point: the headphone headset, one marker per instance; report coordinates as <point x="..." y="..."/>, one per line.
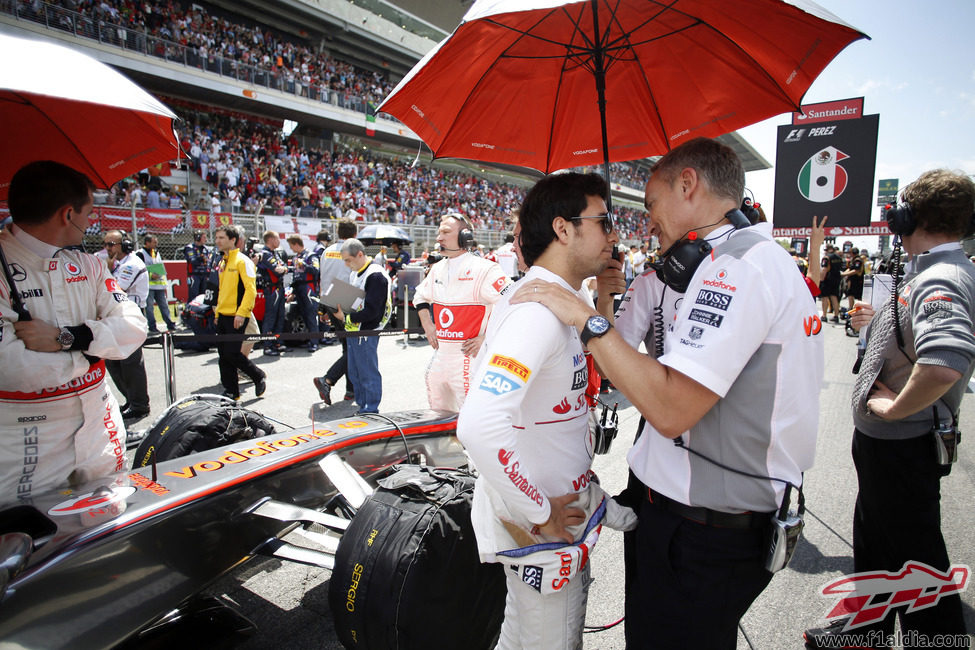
<point x="684" y="256"/>
<point x="465" y="236"/>
<point x="901" y="220"/>
<point x="126" y="245"/>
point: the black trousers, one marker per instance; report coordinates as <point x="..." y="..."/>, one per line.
<point x="688" y="584"/>
<point x="129" y="375"/>
<point x="897" y="519"/>
<point x="231" y="359"/>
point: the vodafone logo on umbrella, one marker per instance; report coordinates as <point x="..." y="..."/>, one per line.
<point x="822" y="178"/>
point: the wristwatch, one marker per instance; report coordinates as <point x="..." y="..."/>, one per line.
<point x="65" y="338"/>
<point x="595" y="327"/>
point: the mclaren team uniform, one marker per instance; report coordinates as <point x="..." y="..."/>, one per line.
<point x="745" y="324"/>
<point x="59" y="422"/>
<point x="460" y="292"/>
<point x="525" y="424"/>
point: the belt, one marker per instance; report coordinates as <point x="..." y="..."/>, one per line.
<point x="708" y="517"/>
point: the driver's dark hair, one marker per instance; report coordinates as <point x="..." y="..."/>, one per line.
<point x="556" y="195"/>
<point x="41" y="188"/>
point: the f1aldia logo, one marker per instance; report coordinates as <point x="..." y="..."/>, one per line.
<point x="822" y="179"/>
<point x="867" y="597"/>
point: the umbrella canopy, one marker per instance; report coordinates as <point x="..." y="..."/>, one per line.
<point x="384" y="234"/>
<point x="59" y="104"/>
<point x="551" y="85"/>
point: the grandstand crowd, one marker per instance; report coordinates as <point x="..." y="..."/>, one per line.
<point x="248" y="165"/>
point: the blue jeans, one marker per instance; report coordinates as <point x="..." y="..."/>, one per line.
<point x="158" y="296"/>
<point x="273" y="322"/>
<point x="364" y="372"/>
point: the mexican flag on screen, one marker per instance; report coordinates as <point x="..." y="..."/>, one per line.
<point x="822" y="179"/>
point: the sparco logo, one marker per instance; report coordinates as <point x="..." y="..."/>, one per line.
<point x="32" y="418"/>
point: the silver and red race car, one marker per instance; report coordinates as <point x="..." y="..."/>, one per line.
<point x="92" y="567"/>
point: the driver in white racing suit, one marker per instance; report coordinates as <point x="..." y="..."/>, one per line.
<point x="537" y="508"/>
<point x="59" y="423"/>
<point x="460" y="291"/>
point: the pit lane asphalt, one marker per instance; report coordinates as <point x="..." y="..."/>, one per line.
<point x="289" y="602"/>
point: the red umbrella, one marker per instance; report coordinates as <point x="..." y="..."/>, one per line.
<point x="551" y="85"/>
<point x="59" y="104"/>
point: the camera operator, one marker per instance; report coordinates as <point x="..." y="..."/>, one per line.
<point x="920" y="355"/>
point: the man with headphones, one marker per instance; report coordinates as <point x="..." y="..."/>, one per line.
<point x="61" y="314"/>
<point x="454" y="303"/>
<point x="919" y="358"/>
<point x="731" y="406"/>
<point x="130" y="273"/>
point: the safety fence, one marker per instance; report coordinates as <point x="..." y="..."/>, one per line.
<point x="169" y="342"/>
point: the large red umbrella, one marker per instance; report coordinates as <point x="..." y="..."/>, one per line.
<point x="551" y="85"/>
<point x="59" y="104"/>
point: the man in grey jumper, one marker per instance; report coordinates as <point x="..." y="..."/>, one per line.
<point x="920" y="355"/>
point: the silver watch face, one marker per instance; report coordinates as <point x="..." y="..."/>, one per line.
<point x="65" y="338"/>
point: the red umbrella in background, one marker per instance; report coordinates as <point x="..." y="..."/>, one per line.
<point x="59" y="104"/>
<point x="551" y="85"/>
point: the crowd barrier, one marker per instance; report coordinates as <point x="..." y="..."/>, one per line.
<point x="169" y="339"/>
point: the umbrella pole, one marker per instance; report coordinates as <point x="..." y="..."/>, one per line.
<point x="600" y="74"/>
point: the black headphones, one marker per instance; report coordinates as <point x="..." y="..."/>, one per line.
<point x="127" y="245"/>
<point x="900" y="219"/>
<point x="465" y="236"/>
<point x="684" y="256"/>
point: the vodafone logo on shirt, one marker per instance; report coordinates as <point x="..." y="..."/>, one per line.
<point x="458" y="322"/>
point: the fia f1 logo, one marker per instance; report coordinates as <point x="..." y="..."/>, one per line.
<point x="822" y="179"/>
<point x="868" y="597"/>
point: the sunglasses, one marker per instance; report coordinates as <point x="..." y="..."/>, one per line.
<point x="608" y="221"/>
<point x="109" y="243"/>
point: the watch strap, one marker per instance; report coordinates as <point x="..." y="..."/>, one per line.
<point x="82" y="337"/>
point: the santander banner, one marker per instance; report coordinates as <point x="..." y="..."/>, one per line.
<point x="843" y="109"/>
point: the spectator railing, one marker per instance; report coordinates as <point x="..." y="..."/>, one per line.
<point x="140" y="41"/>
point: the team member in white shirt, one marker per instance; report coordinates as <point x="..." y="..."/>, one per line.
<point x="129" y="374"/>
<point x="526" y="423"/>
<point x="454" y="302"/>
<point x="738" y="383"/>
<point x="507" y="258"/>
